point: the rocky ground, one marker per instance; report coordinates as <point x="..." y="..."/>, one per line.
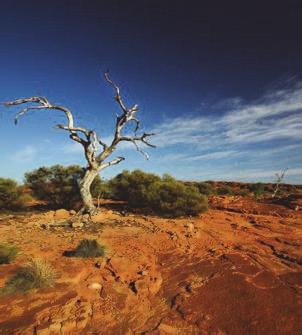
<point x="234" y="270"/>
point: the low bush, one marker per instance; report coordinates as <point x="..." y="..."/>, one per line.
<point x="205" y="188"/>
<point x="242" y="193"/>
<point x="225" y="190"/>
<point x="36" y="274"/>
<point x="258" y="189"/>
<point x="12" y="196"/>
<point x="58" y="185"/>
<point x="133" y="187"/>
<point x="8" y="253"/>
<point x="86" y="249"/>
<point x="102" y="190"/>
<point x="164" y="196"/>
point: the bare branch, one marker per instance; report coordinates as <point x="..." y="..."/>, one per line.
<point x="142" y="138"/>
<point x="113" y="162"/>
<point x="103" y="144"/>
<point x="44" y="104"/>
<point x="280" y="176"/>
<point x="140" y="150"/>
<point x="94" y="142"/>
<point x="121" y="120"/>
<point x="118" y="97"/>
<point x="74" y="129"/>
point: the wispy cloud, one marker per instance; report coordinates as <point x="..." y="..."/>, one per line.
<point x="254" y="174"/>
<point x="276" y="115"/>
<point x="240" y="140"/>
<point x="215" y="155"/>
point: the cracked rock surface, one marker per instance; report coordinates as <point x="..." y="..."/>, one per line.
<point x="233" y="270"/>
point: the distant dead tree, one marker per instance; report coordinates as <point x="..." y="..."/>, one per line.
<point x="279" y="179"/>
<point x="95" y="150"/>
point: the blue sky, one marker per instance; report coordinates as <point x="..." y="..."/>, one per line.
<point x="221" y="87"/>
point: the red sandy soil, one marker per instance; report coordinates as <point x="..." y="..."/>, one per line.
<point x="233" y="270"/>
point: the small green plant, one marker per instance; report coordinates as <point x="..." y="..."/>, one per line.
<point x="205" y="188"/>
<point x="36" y="274"/>
<point x="86" y="249"/>
<point x="242" y="193"/>
<point x="258" y="190"/>
<point x="8" y="253"/>
<point x="12" y="195"/>
<point x="225" y="190"/>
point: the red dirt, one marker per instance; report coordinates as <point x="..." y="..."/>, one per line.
<point x="234" y="270"/>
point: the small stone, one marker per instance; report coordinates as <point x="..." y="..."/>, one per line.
<point x="95" y="286"/>
<point x="77" y="224"/>
<point x="143" y="273"/>
<point x="100" y="264"/>
<point x="190" y="226"/>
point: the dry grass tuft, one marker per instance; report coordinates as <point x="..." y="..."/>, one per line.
<point x="86" y="249"/>
<point x="37" y="273"/>
<point x="8" y="253"/>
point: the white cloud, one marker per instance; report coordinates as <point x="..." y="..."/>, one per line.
<point x="258" y="137"/>
<point x="215" y="155"/>
<point x="254" y="174"/>
<point x="276" y="115"/>
<point x="26" y="154"/>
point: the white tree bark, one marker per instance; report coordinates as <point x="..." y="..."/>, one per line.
<point x="280" y="176"/>
<point x="95" y="150"/>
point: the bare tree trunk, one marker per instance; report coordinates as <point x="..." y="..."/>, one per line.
<point x="85" y="185"/>
<point x="275" y="191"/>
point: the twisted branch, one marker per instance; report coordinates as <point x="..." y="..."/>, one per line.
<point x="128" y="115"/>
<point x="89" y="138"/>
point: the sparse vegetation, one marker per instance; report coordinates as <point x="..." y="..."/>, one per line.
<point x="8" y="253"/>
<point x="36" y="274"/>
<point x="165" y="196"/>
<point x="12" y="196"/>
<point x="258" y="190"/>
<point x="58" y="185"/>
<point x="225" y="190"/>
<point x="279" y="180"/>
<point x="241" y="193"/>
<point x="86" y="249"/>
<point x="205" y="188"/>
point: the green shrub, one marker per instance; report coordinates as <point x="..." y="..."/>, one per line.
<point x="58" y="185"/>
<point x="205" y="188"/>
<point x="129" y="186"/>
<point x="12" y="195"/>
<point x="102" y="189"/>
<point x="36" y="274"/>
<point x="165" y="196"/>
<point x="8" y="253"/>
<point x="257" y="189"/>
<point x="172" y="198"/>
<point x="225" y="190"/>
<point x="242" y="193"/>
<point x="86" y="249"/>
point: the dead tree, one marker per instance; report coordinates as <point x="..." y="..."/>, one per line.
<point x="279" y="179"/>
<point x="95" y="150"/>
